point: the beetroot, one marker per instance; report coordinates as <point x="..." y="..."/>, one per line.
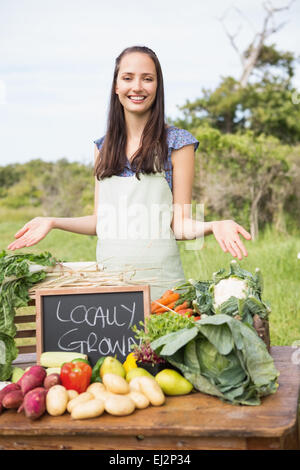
<point x="31" y="379"/>
<point x="34" y="403"/>
<point x="13" y="399"/>
<point x="7" y="389"/>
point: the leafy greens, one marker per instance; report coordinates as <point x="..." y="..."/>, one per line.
<point x="18" y="273"/>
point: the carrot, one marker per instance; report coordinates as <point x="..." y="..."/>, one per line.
<point x="164" y="309"/>
<point x="167" y="300"/>
<point x="154" y="305"/>
<point x="182" y="306"/>
<point x="186" y="312"/>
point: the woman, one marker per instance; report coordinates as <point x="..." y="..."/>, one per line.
<point x="144" y="174"/>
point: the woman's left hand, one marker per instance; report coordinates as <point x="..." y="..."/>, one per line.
<point x="226" y="233"/>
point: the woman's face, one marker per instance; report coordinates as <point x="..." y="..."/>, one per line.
<point x="136" y="82"/>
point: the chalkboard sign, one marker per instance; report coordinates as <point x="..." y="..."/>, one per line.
<point x="93" y="321"/>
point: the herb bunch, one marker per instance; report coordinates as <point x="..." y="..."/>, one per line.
<point x="156" y="326"/>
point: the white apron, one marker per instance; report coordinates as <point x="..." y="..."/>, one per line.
<point x="134" y="229"/>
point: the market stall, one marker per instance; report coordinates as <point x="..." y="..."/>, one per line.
<point x="191" y="370"/>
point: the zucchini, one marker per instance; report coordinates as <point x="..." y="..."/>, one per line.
<point x="57" y="358"/>
<point x="53" y="370"/>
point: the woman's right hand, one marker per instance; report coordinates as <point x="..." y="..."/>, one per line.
<point x="32" y="232"/>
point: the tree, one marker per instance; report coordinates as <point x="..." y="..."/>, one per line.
<point x="260" y="99"/>
<point x="241" y="173"/>
<point x="251" y="58"/>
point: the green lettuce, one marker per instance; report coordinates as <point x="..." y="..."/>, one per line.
<point x="8" y="352"/>
<point x="18" y="273"/>
<point x="222" y="356"/>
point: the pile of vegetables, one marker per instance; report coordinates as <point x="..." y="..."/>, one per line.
<point x="237" y="293"/>
<point x="222" y="353"/>
<point x="72" y="390"/>
<point x="18" y="273"/>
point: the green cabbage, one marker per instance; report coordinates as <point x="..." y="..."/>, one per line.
<point x="222" y="356"/>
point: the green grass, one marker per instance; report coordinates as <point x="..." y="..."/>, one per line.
<point x="275" y="254"/>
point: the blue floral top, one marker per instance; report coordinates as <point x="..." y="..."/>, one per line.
<point x="176" y="139"/>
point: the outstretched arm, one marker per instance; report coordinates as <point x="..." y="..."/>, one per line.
<point x="36" y="229"/>
<point x="226" y="232"/>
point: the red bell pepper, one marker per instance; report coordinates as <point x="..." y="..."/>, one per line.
<point x="76" y="376"/>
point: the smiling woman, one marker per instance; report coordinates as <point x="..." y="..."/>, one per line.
<point x="144" y="171"/>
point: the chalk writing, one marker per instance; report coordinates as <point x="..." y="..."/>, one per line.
<point x="96" y="323"/>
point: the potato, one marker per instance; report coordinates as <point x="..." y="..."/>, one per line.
<point x="140" y="400"/>
<point x="152" y="390"/>
<point x="88" y="409"/>
<point x="104" y="395"/>
<point x="7" y="389"/>
<point x="115" y="384"/>
<point x="119" y="405"/>
<point x="31" y="379"/>
<point x="95" y="388"/>
<point x="81" y="398"/>
<point x="13" y="399"/>
<point x="56" y="400"/>
<point x="72" y="394"/>
<point x="51" y="380"/>
<point x="34" y="403"/>
<point x="134" y="385"/>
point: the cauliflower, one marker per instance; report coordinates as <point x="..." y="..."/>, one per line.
<point x="229" y="287"/>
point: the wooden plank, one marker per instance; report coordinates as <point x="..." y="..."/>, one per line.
<point x="27" y="349"/>
<point x="25" y="319"/>
<point x="26" y="334"/>
<point x="119" y="442"/>
<point x="29" y="359"/>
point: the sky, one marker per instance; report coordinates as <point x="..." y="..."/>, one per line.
<point x="57" y="59"/>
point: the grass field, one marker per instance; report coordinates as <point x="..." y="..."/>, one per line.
<point x="275" y="254"/>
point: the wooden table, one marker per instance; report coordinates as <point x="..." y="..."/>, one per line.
<point x="195" y="421"/>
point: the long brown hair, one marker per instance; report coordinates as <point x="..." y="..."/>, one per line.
<point x="152" y="153"/>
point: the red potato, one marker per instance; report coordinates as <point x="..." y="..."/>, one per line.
<point x="34" y="404"/>
<point x="7" y="389"/>
<point x="51" y="380"/>
<point x="33" y="378"/>
<point x="13" y="399"/>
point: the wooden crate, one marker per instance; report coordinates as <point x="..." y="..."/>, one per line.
<point x="26" y="330"/>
